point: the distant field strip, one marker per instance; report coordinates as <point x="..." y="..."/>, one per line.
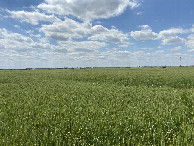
<point x="108" y="106"/>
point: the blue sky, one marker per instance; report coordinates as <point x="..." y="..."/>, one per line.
<point x="89" y="33"/>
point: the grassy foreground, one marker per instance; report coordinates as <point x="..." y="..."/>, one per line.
<point x="126" y="106"/>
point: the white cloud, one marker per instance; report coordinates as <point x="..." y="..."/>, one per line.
<point x="125" y="44"/>
<point x="141" y="58"/>
<point x="32" y="17"/>
<point x="159" y="52"/>
<point x="190" y="42"/>
<point x="17" y="26"/>
<point x="191" y="37"/>
<point x="1" y="17"/>
<point x="20" y="43"/>
<point x="191" y="50"/>
<point x="109" y="35"/>
<point x="144" y="34"/>
<point x="146" y="48"/>
<point x="171" y="32"/>
<point x="192" y="29"/>
<point x="73" y="53"/>
<point x="172" y="40"/>
<point x="66" y="30"/>
<point x="88" y="9"/>
<point x="169" y="36"/>
<point x="176" y="48"/>
<point x="84" y="46"/>
<point x="139" y="13"/>
<point x="145" y="27"/>
<point x="14" y="36"/>
<point x="70" y="29"/>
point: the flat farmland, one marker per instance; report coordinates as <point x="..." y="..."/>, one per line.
<point x="101" y="106"/>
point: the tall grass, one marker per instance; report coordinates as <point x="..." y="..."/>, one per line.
<point x="144" y="106"/>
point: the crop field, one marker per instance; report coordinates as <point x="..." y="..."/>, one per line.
<point x="102" y="106"/>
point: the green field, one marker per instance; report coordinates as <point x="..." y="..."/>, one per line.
<point x="123" y="106"/>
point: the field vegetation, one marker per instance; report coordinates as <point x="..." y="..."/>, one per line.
<point x="123" y="106"/>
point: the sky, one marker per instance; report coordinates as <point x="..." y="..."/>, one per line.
<point x="96" y="33"/>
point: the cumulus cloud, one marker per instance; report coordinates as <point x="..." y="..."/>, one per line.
<point x="66" y="30"/>
<point x="117" y="55"/>
<point x="172" y="40"/>
<point x="25" y="50"/>
<point x="134" y="58"/>
<point x="21" y="43"/>
<point x="14" y="36"/>
<point x="109" y="35"/>
<point x="169" y="36"/>
<point x="32" y="17"/>
<point x="125" y="44"/>
<point x="191" y="37"/>
<point x="88" y="9"/>
<point x="191" y="50"/>
<point x="176" y="48"/>
<point x="172" y="32"/>
<point x="192" y="29"/>
<point x="190" y="42"/>
<point x="146" y="48"/>
<point x="83" y="46"/>
<point x="70" y="29"/>
<point x="144" y="34"/>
